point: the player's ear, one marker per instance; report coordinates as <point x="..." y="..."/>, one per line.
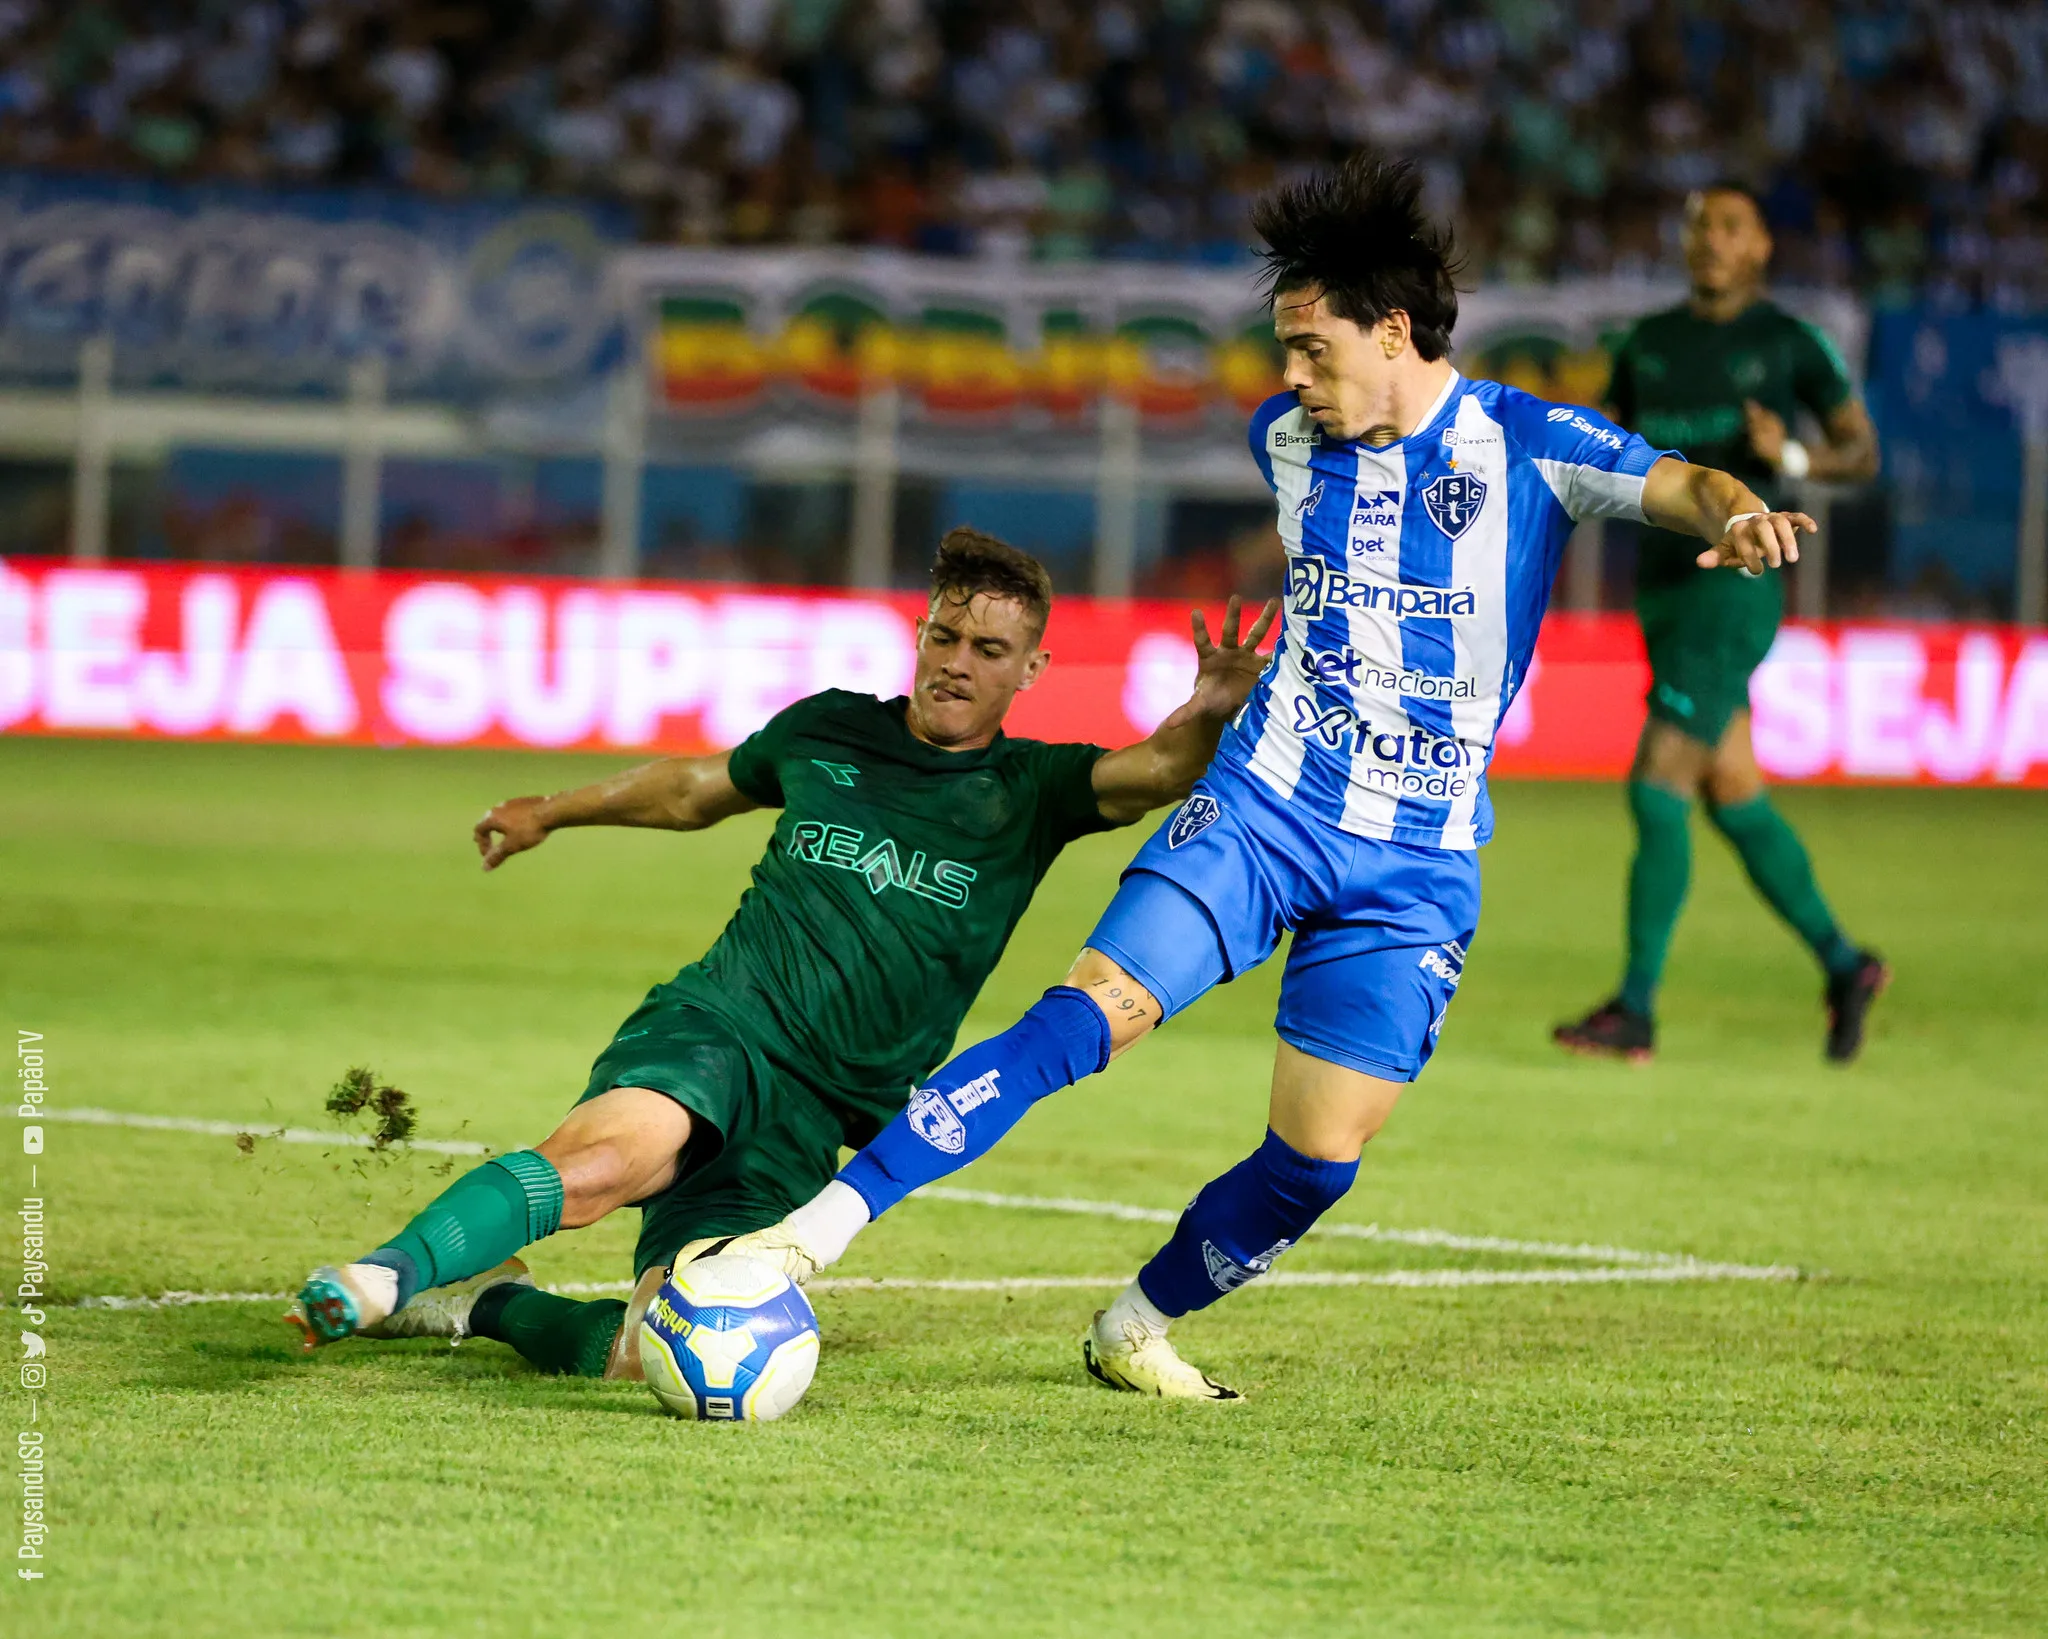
<point x="1034" y="668"/>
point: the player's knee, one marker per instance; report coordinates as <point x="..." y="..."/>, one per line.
<point x="1131" y="1009"/>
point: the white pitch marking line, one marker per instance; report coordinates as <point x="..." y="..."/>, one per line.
<point x="1650" y="1266"/>
<point x="256" y="1129"/>
<point x="1412" y="1279"/>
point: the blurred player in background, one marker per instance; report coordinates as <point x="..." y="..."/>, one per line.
<point x="1722" y="377"/>
<point x="1424" y="516"/>
<point x="913" y="835"/>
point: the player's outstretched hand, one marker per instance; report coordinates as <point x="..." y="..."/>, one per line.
<point x="1757" y="541"/>
<point x="1225" y="672"/>
<point x="510" y="828"/>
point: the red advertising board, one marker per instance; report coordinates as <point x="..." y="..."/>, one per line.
<point x="205" y="652"/>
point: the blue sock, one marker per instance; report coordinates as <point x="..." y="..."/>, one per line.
<point x="970" y="1102"/>
<point x="1240" y="1223"/>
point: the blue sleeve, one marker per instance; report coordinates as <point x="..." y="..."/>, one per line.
<point x="1262" y="424"/>
<point x="1594" y="468"/>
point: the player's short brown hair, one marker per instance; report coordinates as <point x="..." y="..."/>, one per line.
<point x="972" y="563"/>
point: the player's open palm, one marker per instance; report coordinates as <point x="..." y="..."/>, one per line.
<point x="510" y="828"/>
<point x="1225" y="671"/>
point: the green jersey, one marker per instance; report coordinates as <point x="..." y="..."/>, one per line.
<point x="1680" y="381"/>
<point x="896" y="875"/>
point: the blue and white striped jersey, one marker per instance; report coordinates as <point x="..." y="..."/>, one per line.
<point x="1417" y="574"/>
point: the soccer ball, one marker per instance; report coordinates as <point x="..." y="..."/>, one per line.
<point x="729" y="1339"/>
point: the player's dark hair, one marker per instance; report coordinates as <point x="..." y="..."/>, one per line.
<point x="1735" y="185"/>
<point x="1359" y="235"/>
<point x="972" y="563"/>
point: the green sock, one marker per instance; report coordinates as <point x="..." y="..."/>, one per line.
<point x="557" y="1334"/>
<point x="1657" y="880"/>
<point x="1776" y="861"/>
<point x="476" y="1223"/>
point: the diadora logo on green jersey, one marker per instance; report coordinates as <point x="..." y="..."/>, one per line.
<point x="841" y="847"/>
<point x="842" y="773"/>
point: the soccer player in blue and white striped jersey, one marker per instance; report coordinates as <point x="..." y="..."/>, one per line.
<point x="1424" y="515"/>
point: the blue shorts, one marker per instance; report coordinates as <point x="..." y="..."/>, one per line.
<point x="1380" y="928"/>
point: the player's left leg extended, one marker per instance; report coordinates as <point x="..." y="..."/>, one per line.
<point x="1780" y="869"/>
<point x="1364" y="996"/>
<point x="619" y="1147"/>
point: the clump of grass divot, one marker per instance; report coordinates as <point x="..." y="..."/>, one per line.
<point x="390" y="1108"/>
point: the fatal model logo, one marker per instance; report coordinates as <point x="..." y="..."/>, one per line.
<point x="1313" y="588"/>
<point x="1308" y="503"/>
<point x="1195" y="816"/>
<point x="1453" y="502"/>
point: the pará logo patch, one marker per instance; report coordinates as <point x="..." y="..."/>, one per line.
<point x="1196" y="815"/>
<point x="1453" y="502"/>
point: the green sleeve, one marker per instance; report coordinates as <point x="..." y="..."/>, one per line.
<point x="1067" y="804"/>
<point x="754" y="764"/>
<point x="1820" y="377"/>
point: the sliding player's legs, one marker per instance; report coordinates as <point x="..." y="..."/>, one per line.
<point x="674" y="1083"/>
<point x="778" y="1158"/>
<point x="1363" y="1000"/>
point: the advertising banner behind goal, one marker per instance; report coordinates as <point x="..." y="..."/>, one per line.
<point x="312" y="655"/>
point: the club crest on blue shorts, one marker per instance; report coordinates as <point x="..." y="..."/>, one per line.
<point x="1196" y="815"/>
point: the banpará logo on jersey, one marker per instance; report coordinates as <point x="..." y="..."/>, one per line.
<point x="1453" y="501"/>
<point x="1471" y="441"/>
<point x="1312" y="587"/>
<point x="840" y="846"/>
<point x="1193" y="817"/>
<point x="1348" y="666"/>
<point x="1309" y="502"/>
<point x="1564" y="414"/>
<point x="1283" y="438"/>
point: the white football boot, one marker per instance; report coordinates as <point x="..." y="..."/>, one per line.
<point x="1137" y="1359"/>
<point x="443" y="1311"/>
<point x="775" y="1245"/>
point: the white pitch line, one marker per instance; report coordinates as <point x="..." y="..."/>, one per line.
<point x="256" y="1129"/>
<point x="1412" y="1279"/>
<point x="1652" y="1266"/>
<point x="1357" y="1232"/>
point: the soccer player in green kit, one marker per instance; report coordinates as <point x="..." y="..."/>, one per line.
<point x="913" y="834"/>
<point x="1721" y="378"/>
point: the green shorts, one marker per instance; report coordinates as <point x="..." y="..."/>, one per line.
<point x="1706" y="634"/>
<point x="763" y="1143"/>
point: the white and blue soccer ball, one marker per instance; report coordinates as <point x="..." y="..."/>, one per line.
<point x="729" y="1340"/>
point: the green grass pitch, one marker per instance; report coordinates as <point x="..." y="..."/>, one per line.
<point x="218" y="932"/>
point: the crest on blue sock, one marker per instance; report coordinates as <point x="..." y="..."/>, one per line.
<point x="934" y="1120"/>
<point x="1227" y="1274"/>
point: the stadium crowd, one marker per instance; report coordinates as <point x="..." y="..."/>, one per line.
<point x="1902" y="145"/>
